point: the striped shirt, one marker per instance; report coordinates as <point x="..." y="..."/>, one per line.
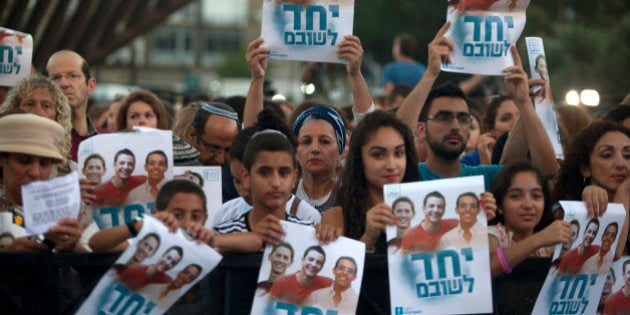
<point x="241" y="224"/>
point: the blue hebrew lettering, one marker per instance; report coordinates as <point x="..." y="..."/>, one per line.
<point x="129" y="210"/>
<point x="289" y="38"/>
<point x="468" y="50"/>
<point x="426" y="257"/>
<point x="134" y="299"/>
<point x="476" y="20"/>
<point x="509" y="21"/>
<point x="297" y="15"/>
<point x="567" y="280"/>
<point x="455" y="286"/>
<point x="480" y="53"/>
<point x="435" y="284"/>
<point x="583" y="279"/>
<point x="290" y="308"/>
<point x="499" y="25"/>
<point x="471" y="283"/>
<point x="310" y="310"/>
<point x="9" y="53"/>
<point x="554" y="308"/>
<point x="334" y="37"/>
<point x="123" y="293"/>
<point x="467" y="253"/>
<point x="584" y="305"/>
<point x="334" y="10"/>
<point x="495" y="50"/>
<point x="113" y="213"/>
<point x="573" y="307"/>
<point x="422" y="290"/>
<point x="309" y="35"/>
<point x="441" y="257"/>
<point x="310" y="11"/>
<point x="320" y="39"/>
<point x="303" y="40"/>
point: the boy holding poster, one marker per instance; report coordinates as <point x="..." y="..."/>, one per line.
<point x="270" y="173"/>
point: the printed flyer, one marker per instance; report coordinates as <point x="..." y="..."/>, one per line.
<point x="576" y="279"/>
<point x="128" y="168"/>
<point x="16" y="54"/>
<point x="543" y="100"/>
<point x="615" y="297"/>
<point x="438" y="250"/>
<point x="299" y="276"/>
<point x="152" y="273"/>
<point x="306" y="30"/>
<point x="482" y="33"/>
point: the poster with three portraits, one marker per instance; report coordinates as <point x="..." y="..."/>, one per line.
<point x="152" y="274"/>
<point x="438" y="258"/>
<point x="129" y="168"/>
<point x="579" y="269"/>
<point x="301" y="276"/>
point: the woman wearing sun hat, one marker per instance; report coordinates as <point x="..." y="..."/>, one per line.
<point x="29" y="149"/>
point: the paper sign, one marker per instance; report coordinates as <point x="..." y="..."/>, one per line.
<point x="16" y="53"/>
<point x="575" y="281"/>
<point x="307" y="30"/>
<point x="438" y="260"/>
<point x="209" y="178"/>
<point x="324" y="267"/>
<point x="543" y="101"/>
<point x="482" y="33"/>
<point x="46" y="202"/>
<point x="149" y="281"/>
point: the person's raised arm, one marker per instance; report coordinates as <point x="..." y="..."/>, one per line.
<point x="439" y="52"/>
<point x="350" y="48"/>
<point x="536" y="137"/>
<point x="256" y="57"/>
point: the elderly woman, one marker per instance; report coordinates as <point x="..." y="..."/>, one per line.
<point x="29" y="150"/>
<point x="38" y="95"/>
<point x="321" y="137"/>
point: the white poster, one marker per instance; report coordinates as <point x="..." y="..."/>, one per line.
<point x="576" y="278"/>
<point x="482" y="33"/>
<point x="209" y="178"/>
<point x="16" y="54"/>
<point x="543" y="100"/>
<point x="306" y="30"/>
<point x="132" y="166"/>
<point x="152" y="273"/>
<point x="438" y="258"/>
<point x="300" y="276"/>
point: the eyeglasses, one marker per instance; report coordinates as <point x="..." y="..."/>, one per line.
<point x="446" y="118"/>
<point x="70" y="76"/>
<point x="211" y="148"/>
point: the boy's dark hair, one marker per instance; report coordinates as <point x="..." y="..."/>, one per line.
<point x="446" y="90"/>
<point x="175" y="186"/>
<point x="267" y="140"/>
<point x="160" y="152"/>
<point x="124" y="151"/>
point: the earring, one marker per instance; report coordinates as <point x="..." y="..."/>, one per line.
<point x="586" y="180"/>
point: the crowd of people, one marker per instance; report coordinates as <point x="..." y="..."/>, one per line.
<point x="318" y="166"/>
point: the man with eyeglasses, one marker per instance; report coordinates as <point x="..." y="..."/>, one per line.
<point x="214" y="127"/>
<point x="470" y="232"/>
<point x="339" y="296"/>
<point x="156" y="165"/>
<point x="72" y="74"/>
<point x="444" y="120"/>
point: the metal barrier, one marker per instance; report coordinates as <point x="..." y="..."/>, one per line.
<point x="43" y="283"/>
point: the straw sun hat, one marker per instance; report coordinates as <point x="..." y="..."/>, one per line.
<point x="31" y="134"/>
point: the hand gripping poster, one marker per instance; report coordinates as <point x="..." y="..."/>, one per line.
<point x="299" y="276"/>
<point x="482" y="32"/>
<point x="615" y="298"/>
<point x="16" y="53"/>
<point x="578" y="271"/>
<point x="151" y="275"/>
<point x="127" y="169"/>
<point x="438" y="249"/>
<point x="543" y="101"/>
<point x="306" y="30"/>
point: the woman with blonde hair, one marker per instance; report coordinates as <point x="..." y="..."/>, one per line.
<point x="38" y="95"/>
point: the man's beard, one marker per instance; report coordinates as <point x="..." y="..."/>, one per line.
<point x="441" y="151"/>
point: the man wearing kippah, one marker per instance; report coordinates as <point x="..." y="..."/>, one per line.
<point x="214" y="127"/>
